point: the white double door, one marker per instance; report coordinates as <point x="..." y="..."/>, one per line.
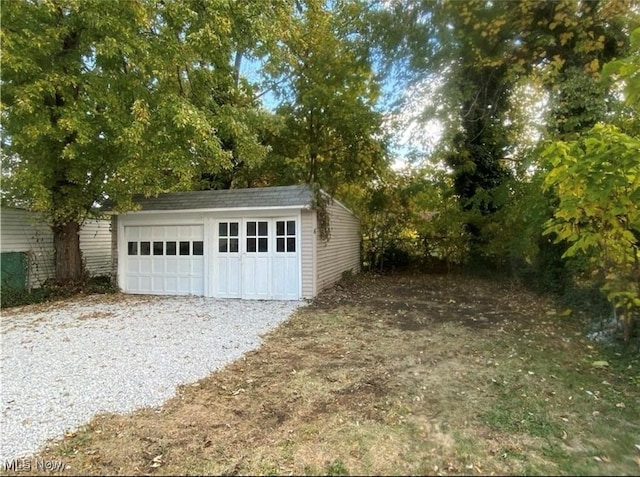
<point x="256" y="259"/>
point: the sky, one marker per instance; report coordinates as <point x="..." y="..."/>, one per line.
<point x="411" y="136"/>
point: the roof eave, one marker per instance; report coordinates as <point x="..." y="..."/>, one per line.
<point x="216" y="209"/>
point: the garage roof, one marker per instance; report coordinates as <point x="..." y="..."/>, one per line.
<point x="257" y="198"/>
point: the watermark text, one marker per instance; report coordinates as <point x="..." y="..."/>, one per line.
<point x="31" y="465"/>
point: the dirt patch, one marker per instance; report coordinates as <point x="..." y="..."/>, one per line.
<point x="387" y="375"/>
<point x="414" y="302"/>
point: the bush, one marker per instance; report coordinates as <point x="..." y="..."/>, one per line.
<point x="10" y="297"/>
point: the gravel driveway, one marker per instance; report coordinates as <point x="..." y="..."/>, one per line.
<point x="63" y="363"/>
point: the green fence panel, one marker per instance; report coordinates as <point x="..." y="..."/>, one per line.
<point x="13" y="267"/>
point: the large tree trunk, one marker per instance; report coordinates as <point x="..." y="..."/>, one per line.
<point x="68" y="258"/>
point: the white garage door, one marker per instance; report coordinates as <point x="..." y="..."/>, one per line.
<point x="165" y="260"/>
<point x="257" y="259"/>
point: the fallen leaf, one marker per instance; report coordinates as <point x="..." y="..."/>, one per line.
<point x="600" y="364"/>
<point x="620" y="405"/>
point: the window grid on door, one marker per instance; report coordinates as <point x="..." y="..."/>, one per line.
<point x="170" y="247"/>
<point x="228" y="237"/>
<point x="257" y="236"/>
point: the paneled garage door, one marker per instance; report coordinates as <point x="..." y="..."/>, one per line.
<point x="257" y="259"/>
<point x="165" y="260"/>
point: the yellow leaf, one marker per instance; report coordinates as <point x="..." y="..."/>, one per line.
<point x="559" y="16"/>
<point x="594" y="65"/>
<point x="565" y="37"/>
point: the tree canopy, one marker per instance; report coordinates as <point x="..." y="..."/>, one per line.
<point x="109" y="99"/>
<point x="536" y="101"/>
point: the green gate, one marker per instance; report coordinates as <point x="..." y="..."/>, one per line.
<point x="13" y="267"/>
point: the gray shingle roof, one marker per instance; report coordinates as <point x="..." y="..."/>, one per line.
<point x="284" y="196"/>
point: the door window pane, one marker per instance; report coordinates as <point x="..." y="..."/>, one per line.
<point x="222" y="245"/>
<point x="233" y="245"/>
<point x="251" y="244"/>
<point x="251" y="229"/>
<point x="262" y="245"/>
<point x="158" y="248"/>
<point x="286" y="236"/>
<point x="171" y="248"/>
<point x="145" y="248"/>
<point x="262" y="228"/>
<point x="184" y="248"/>
<point x="222" y="229"/>
<point x="132" y="248"/>
<point x="233" y="229"/>
<point x="198" y="247"/>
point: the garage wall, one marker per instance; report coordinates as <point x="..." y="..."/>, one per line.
<point x="308" y="243"/>
<point x="342" y="251"/>
<point x="280" y="266"/>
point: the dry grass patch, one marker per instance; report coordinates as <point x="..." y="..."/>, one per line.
<point x="387" y="376"/>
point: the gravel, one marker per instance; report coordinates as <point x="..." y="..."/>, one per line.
<point x="61" y="364"/>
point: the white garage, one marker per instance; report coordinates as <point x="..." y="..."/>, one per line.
<point x="258" y="243"/>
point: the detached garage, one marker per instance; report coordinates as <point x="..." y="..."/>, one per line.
<point x="261" y="243"/>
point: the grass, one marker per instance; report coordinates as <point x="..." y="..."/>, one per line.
<point x="395" y="375"/>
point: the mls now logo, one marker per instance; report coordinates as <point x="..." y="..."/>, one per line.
<point x="28" y="465"/>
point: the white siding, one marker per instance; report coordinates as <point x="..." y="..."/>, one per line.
<point x="24" y="231"/>
<point x="95" y="243"/>
<point x="307" y="241"/>
<point x="342" y="251"/>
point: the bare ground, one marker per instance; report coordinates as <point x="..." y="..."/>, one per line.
<point x="388" y="375"/>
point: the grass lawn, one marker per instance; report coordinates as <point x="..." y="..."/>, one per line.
<point x="387" y="375"/>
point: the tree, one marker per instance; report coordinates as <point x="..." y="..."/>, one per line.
<point x="597" y="179"/>
<point x="107" y="99"/>
<point x="483" y="55"/>
<point x="330" y="132"/>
